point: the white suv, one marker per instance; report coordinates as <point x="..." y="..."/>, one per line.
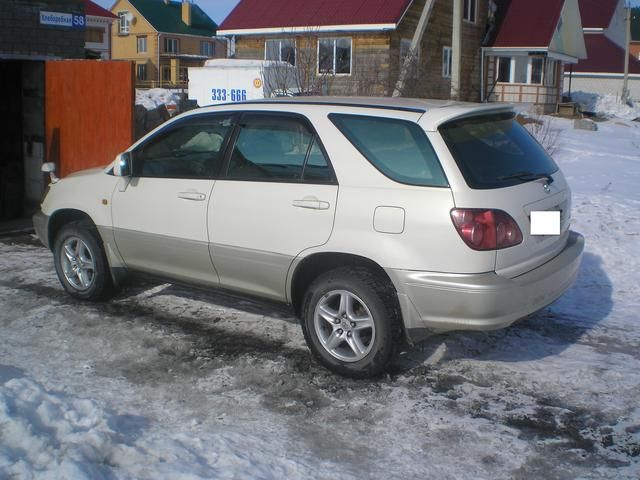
<point x="377" y="220"/>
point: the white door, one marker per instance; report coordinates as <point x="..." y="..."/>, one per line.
<point x="277" y="199"/>
<point x="160" y="214"/>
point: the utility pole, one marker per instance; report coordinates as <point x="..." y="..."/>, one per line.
<point x="456" y="49"/>
<point x="625" y="82"/>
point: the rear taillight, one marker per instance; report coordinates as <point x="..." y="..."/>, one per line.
<point x="486" y="229"/>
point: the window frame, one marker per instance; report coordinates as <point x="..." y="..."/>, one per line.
<point x="512" y="62"/>
<point x="94" y="30"/>
<point x="141" y="67"/>
<point x="295" y="116"/>
<point x="210" y="48"/>
<point x="123" y="23"/>
<point x="334" y="116"/>
<point x="172" y="40"/>
<point x="530" y="70"/>
<point x="234" y="116"/>
<point x="141" y="40"/>
<point x="470" y="11"/>
<point x="163" y="69"/>
<point x="334" y="40"/>
<point x="447" y="61"/>
<point x="280" y="40"/>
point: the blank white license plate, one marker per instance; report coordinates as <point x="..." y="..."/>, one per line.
<point x="545" y="223"/>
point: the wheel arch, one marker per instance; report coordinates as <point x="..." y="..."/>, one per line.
<point x="310" y="267"/>
<point x="62" y="217"/>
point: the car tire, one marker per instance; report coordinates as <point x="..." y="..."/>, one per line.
<point x="351" y="322"/>
<point x="81" y="263"/>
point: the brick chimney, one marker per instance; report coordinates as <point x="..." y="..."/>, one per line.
<point x="186" y="12"/>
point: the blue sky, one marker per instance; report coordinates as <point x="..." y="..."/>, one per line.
<point x="219" y="9"/>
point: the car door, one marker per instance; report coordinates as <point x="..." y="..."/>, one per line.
<point x="160" y="214"/>
<point x="277" y="199"/>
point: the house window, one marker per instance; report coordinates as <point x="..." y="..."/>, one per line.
<point x="171" y="45"/>
<point x="280" y="50"/>
<point x="537" y="67"/>
<point x="183" y="75"/>
<point x="207" y="49"/>
<point x="528" y="70"/>
<point x="504" y="69"/>
<point x="123" y="23"/>
<point x="521" y="69"/>
<point x="93" y="35"/>
<point x="334" y="56"/>
<point x="141" y="71"/>
<point x="166" y="73"/>
<point x="447" y="57"/>
<point x="469" y="10"/>
<point x="142" y="44"/>
<point x="550" y="73"/>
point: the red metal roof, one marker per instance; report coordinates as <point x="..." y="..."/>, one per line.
<point x="96" y="10"/>
<point x="604" y="56"/>
<point x="255" y="14"/>
<point x="597" y="13"/>
<point x="526" y="23"/>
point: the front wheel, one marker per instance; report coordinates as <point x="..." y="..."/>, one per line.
<point x="81" y="263"/>
<point x="351" y="322"/>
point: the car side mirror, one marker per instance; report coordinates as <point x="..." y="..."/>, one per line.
<point x="50" y="168"/>
<point x="123" y="165"/>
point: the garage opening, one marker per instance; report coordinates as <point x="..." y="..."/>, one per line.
<point x="21" y="137"/>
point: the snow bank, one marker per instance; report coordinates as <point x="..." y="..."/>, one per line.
<point x="154" y="97"/>
<point x="609" y="105"/>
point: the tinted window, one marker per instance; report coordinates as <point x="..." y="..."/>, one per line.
<point x="398" y="148"/>
<point x="192" y="149"/>
<point x="317" y="169"/>
<point x="493" y="150"/>
<point x="276" y="148"/>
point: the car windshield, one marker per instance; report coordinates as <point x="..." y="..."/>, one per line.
<point x="495" y="151"/>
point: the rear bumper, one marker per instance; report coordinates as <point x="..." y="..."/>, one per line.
<point x="436" y="302"/>
<point x="41" y="226"/>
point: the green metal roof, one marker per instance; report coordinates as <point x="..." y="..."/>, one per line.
<point x="167" y="17"/>
<point x="635" y="24"/>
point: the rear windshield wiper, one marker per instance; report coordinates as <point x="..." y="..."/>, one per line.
<point x="528" y="176"/>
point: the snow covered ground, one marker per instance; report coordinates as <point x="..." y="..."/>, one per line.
<point x="167" y="382"/>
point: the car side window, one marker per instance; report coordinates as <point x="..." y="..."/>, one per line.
<point x="317" y="168"/>
<point x="399" y="149"/>
<point x="192" y="149"/>
<point x="276" y="148"/>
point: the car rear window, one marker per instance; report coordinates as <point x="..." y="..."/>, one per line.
<point x="397" y="148"/>
<point x="495" y="151"/>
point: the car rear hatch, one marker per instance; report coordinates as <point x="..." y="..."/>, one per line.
<point x="501" y="166"/>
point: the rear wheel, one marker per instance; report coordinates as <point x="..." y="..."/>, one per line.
<point x="81" y="263"/>
<point x="351" y="322"/>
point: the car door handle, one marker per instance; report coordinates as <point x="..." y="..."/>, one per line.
<point x="195" y="196"/>
<point x="311" y="203"/>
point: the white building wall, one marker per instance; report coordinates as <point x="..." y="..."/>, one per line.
<point x="602" y="85"/>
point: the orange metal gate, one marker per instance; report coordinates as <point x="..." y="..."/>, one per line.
<point x="89" y="112"/>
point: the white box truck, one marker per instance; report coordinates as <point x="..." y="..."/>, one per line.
<point x="227" y="80"/>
